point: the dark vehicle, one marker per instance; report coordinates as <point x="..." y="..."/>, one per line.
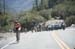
<point x="57" y="26"/>
<point x="50" y="27"/>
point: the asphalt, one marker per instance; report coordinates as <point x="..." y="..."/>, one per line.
<point x="43" y="40"/>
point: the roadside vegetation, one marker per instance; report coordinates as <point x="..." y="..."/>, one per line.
<point x="42" y="11"/>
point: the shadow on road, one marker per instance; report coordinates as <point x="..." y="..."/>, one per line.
<point x="13" y="43"/>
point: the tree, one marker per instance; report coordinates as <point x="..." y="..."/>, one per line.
<point x="70" y="20"/>
<point x="64" y="9"/>
<point x="28" y="17"/>
<point x="35" y="5"/>
<point x="4" y="16"/>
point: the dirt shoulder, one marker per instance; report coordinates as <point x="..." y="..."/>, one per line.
<point x="6" y="35"/>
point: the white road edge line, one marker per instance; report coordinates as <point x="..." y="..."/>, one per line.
<point x="7" y="44"/>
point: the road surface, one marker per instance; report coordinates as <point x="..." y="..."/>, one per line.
<point x="57" y="39"/>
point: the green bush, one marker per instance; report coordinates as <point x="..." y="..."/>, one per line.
<point x="4" y="22"/>
<point x="70" y="20"/>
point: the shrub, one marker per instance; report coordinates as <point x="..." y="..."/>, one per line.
<point x="70" y="20"/>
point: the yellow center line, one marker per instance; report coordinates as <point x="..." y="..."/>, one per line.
<point x="62" y="44"/>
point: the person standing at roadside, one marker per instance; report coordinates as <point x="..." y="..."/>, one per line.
<point x="17" y="28"/>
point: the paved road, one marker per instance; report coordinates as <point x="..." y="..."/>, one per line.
<point x="57" y="39"/>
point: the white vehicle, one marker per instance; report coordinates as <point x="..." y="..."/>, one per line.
<point x="56" y="24"/>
